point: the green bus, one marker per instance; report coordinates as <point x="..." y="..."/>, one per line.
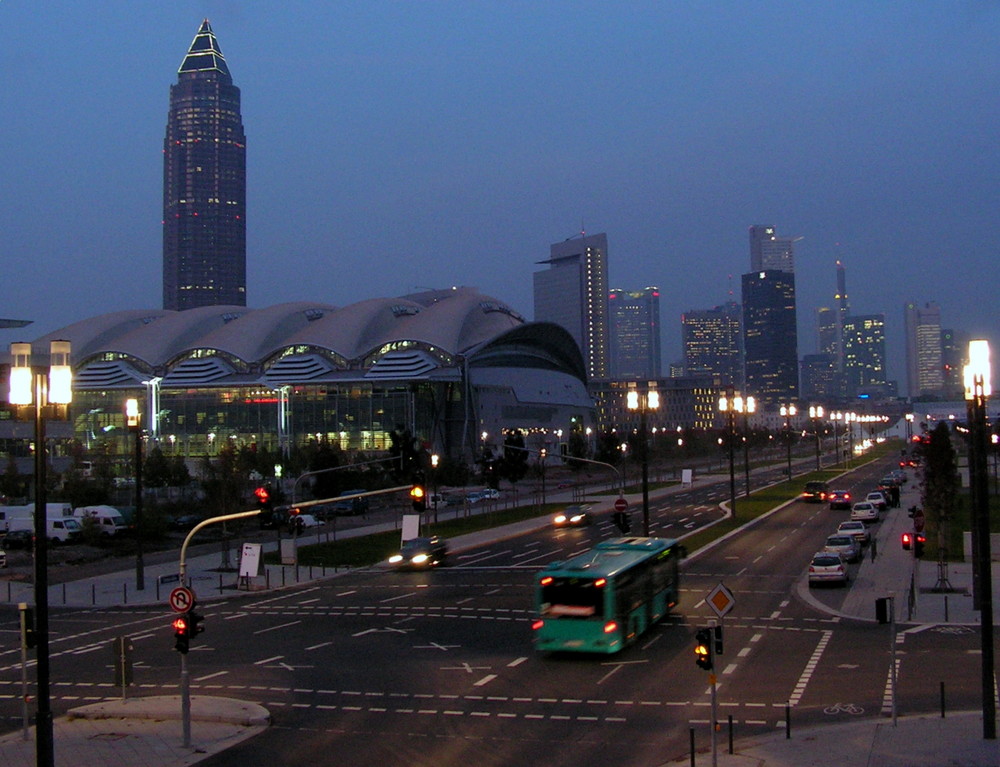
<point x="604" y="599"/>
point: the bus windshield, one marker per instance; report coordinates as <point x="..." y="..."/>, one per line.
<point x="573" y="598"/>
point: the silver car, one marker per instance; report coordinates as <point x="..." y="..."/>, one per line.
<point x="844" y="544"/>
<point x="827" y="567"/>
<point x="863" y="511"/>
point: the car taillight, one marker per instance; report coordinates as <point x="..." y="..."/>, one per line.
<point x="537" y="625"/>
<point x="610" y="627"/>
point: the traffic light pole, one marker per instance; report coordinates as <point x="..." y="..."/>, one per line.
<point x="185" y="700"/>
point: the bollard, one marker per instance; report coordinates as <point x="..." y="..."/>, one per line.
<point x="93" y="594"/>
<point x="64" y="594"/>
<point x="267" y="578"/>
<point x="220" y="584"/>
<point x="157" y="590"/>
<point x="942" y="700"/>
<point x="788" y="722"/>
<point x="730" y="733"/>
<point x="124" y="593"/>
<point x="282" y="576"/>
<point x="945" y="608"/>
<point x="691" y="739"/>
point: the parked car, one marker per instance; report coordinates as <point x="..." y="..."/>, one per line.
<point x="879" y="499"/>
<point x="839" y="499"/>
<point x="420" y="553"/>
<point x="827" y="567"/>
<point x="857" y="529"/>
<point x="845" y="545"/>
<point x="19" y="539"/>
<point x="576" y="515"/>
<point x="815" y="492"/>
<point x="864" y="511"/>
<point x="347" y="504"/>
<point x="302" y="522"/>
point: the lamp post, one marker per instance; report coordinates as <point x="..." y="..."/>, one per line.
<point x="787" y="411"/>
<point x="435" y="459"/>
<point x="746" y="407"/>
<point x="995" y="441"/>
<point x="909" y="430"/>
<point x="643" y="403"/>
<point x="134" y="423"/>
<point x="726" y="406"/>
<point x="977" y="391"/>
<point x="41" y="393"/>
<point x="815" y="415"/>
<point x="849" y="420"/>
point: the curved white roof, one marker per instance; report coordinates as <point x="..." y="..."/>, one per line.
<point x="452" y="321"/>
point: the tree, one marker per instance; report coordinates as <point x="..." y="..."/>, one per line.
<point x="940" y="482"/>
<point x="514" y="463"/>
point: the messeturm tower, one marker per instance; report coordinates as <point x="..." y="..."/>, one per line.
<point x="204" y="183"/>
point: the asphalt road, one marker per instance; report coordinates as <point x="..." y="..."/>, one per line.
<point x="436" y="668"/>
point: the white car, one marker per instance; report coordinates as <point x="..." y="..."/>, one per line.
<point x="827" y="567"/>
<point x="857" y="529"/>
<point x="863" y="511"/>
<point x="879" y="499"/>
<point x="304" y="522"/>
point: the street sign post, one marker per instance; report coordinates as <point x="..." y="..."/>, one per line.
<point x="918" y="520"/>
<point x="721" y="600"/>
<point x="621" y="504"/>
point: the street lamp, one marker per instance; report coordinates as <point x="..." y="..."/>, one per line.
<point x="746" y="407"/>
<point x="909" y="430"/>
<point x="651" y="401"/>
<point x="787" y="412"/>
<point x="435" y="459"/>
<point x="134" y="423"/>
<point x="815" y="414"/>
<point x="977" y="391"/>
<point x="726" y="406"/>
<point x="849" y="421"/>
<point x="41" y="393"/>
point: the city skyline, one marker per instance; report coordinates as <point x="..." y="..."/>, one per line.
<point x="390" y="141"/>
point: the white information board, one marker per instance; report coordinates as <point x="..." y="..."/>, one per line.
<point x="250" y="560"/>
<point x="411" y="526"/>
<point x="687" y="477"/>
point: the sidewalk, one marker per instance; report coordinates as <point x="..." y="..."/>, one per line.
<point x="146" y="731"/>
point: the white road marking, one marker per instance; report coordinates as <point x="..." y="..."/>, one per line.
<point x="275" y="628"/>
<point x="517" y="662"/>
<point x="807" y="672"/>
<point x="317" y="646"/>
<point x="401" y="596"/>
<point x="485" y="680"/>
<point x="210" y="676"/>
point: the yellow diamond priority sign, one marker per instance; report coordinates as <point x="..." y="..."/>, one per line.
<point x="721" y="600"/>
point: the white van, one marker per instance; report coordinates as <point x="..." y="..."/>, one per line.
<point x="58" y="530"/>
<point x="108" y="519"/>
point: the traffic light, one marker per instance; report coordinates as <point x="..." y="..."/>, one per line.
<point x="182" y="633"/>
<point x="193" y="620"/>
<point x="717" y="632"/>
<point x="703" y="649"/>
<point x="907" y="541"/>
<point x="417" y="495"/>
<point x="620" y="518"/>
<point x="264" y="498"/>
<point x="918" y="548"/>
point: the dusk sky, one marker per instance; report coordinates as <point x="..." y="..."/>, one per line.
<point x="394" y="146"/>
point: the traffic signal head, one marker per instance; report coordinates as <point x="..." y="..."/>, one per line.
<point x="418" y="497"/>
<point x="703" y="649"/>
<point x="264" y="498"/>
<point x="193" y="620"/>
<point x="918" y="545"/>
<point x="28" y="636"/>
<point x="717" y="634"/>
<point x="182" y="633"/>
<point x="907" y="541"/>
<point x="620" y="518"/>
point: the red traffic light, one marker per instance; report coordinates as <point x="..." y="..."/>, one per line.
<point x="263" y="494"/>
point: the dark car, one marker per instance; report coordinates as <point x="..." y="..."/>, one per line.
<point x="575" y="515"/>
<point x="815" y="492"/>
<point x="347" y="503"/>
<point x="19" y="539"/>
<point x="420" y="553"/>
<point x="839" y="499"/>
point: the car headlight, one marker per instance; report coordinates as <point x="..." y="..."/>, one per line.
<point x="577" y="518"/>
<point x="419" y="559"/>
<point x="560" y="519"/>
<point x="395" y="559"/>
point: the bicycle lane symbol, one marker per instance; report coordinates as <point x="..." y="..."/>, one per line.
<point x="843" y="708"/>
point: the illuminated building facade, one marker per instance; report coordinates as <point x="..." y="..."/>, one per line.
<point x="713" y="343"/>
<point x="573" y="293"/>
<point x="770" y="337"/>
<point x="769" y="252"/>
<point x="924" y="362"/>
<point x="204" y="183"/>
<point x="635" y="333"/>
<point x="864" y="354"/>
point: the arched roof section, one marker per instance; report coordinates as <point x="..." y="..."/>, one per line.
<point x="534" y="344"/>
<point x="257" y="334"/>
<point x="175" y="333"/>
<point x="347" y="331"/>
<point x="96" y="335"/>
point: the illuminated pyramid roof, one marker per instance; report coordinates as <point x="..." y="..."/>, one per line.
<point x="204" y="55"/>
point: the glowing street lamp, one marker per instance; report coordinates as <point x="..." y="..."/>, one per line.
<point x="815" y="414"/>
<point x="977" y="390"/>
<point x="643" y="403"/>
<point x="134" y="422"/>
<point x="41" y="392"/>
<point x="788" y="412"/>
